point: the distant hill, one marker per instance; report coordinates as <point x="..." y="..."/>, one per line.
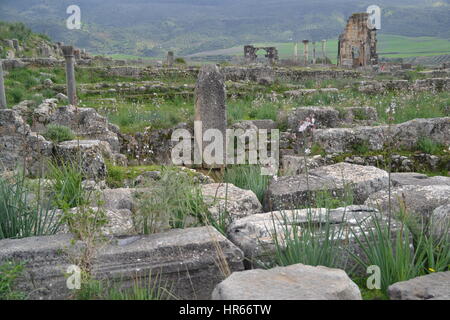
<point x="28" y="40"/>
<point x="151" y="27"/>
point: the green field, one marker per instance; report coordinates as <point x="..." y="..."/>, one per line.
<point x="390" y="46"/>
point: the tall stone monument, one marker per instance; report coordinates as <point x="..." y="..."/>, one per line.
<point x="210" y="118"/>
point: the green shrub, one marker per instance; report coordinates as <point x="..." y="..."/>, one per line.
<point x="21" y="214"/>
<point x="429" y="146"/>
<point x="248" y="177"/>
<point x="361" y="147"/>
<point x="180" y="61"/>
<point x="58" y="133"/>
<point x="9" y="272"/>
<point x="16" y="94"/>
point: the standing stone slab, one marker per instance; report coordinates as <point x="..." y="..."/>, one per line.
<point x="210" y="109"/>
<point x="3" y="104"/>
<point x="186" y="261"/>
<point x="435" y="286"/>
<point x="296" y="282"/>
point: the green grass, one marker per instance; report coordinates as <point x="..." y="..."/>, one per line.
<point x="66" y="183"/>
<point x="248" y="177"/>
<point x="389" y="46"/>
<point x="313" y="242"/>
<point x="429" y="146"/>
<point x="9" y="272"/>
<point x="22" y="214"/>
<point x="401" y="254"/>
<point x="175" y="201"/>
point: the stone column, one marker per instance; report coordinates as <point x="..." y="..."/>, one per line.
<point x="324" y="54"/>
<point x="70" y="74"/>
<point x="170" y="58"/>
<point x="296" y="51"/>
<point x="305" y="52"/>
<point x="210" y="118"/>
<point x="314" y="52"/>
<point x="2" y="88"/>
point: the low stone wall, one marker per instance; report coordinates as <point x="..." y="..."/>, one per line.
<point x="431" y="84"/>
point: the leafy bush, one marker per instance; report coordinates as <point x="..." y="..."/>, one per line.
<point x="22" y="214"/>
<point x="58" y="133"/>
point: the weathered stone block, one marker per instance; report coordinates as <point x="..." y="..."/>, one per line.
<point x="186" y="261"/>
<point x="226" y="197"/>
<point x="296" y="191"/>
<point x="296" y="282"/>
<point x="435" y="286"/>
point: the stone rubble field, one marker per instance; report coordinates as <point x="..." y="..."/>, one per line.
<point x="208" y="233"/>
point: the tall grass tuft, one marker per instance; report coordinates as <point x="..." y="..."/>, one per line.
<point x="400" y="254"/>
<point x="24" y="213"/>
<point x="315" y="242"/>
<point x="174" y="201"/>
<point x="248" y="177"/>
<point x="67" y="184"/>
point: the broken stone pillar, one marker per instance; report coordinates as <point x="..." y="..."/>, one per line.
<point x="250" y="54"/>
<point x="170" y="58"/>
<point x="68" y="52"/>
<point x="77" y="54"/>
<point x="188" y="263"/>
<point x="2" y="88"/>
<point x="324" y="54"/>
<point x="272" y="55"/>
<point x="16" y="44"/>
<point x="314" y="52"/>
<point x="305" y="52"/>
<point x="296" y="51"/>
<point x="210" y="118"/>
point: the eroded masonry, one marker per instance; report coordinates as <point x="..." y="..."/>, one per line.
<point x="358" y="44"/>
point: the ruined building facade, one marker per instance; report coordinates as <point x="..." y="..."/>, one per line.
<point x="358" y="44"/>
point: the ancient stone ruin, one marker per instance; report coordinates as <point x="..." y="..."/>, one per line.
<point x="251" y="56"/>
<point x="357" y="46"/>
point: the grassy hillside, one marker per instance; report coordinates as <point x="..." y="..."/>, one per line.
<point x="150" y="28"/>
<point x="22" y="33"/>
